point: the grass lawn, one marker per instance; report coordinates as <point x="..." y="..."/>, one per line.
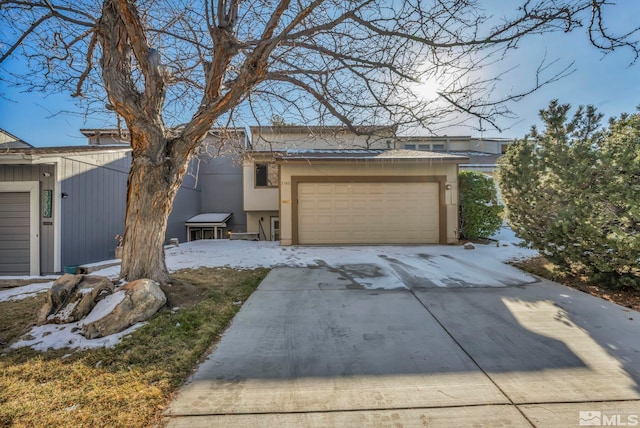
<point x="130" y="384"/>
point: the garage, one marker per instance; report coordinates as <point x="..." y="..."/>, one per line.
<point x="368" y="213"/>
<point x="14" y="233"/>
<point x="367" y="196"/>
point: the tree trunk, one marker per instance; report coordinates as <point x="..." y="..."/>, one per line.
<point x="151" y="191"/>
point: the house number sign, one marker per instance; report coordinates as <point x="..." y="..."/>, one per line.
<point x="46" y="204"/>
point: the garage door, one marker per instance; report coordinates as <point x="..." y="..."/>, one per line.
<point x="14" y="233"/>
<point x="368" y="213"/>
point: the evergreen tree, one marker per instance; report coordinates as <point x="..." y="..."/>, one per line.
<point x="573" y="192"/>
<point x="480" y="213"/>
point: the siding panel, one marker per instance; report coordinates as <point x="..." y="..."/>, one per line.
<point x="93" y="213"/>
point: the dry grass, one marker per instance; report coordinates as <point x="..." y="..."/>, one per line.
<point x="17" y="316"/>
<point x="129" y="385"/>
<point x="542" y="267"/>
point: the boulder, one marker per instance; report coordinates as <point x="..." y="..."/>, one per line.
<point x="469" y="246"/>
<point x="72" y="297"/>
<point x="134" y="302"/>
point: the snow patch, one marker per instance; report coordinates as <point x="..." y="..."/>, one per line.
<point x="58" y="336"/>
<point x="104" y="307"/>
<point x="19" y="293"/>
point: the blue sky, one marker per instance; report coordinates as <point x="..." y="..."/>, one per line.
<point x="610" y="82"/>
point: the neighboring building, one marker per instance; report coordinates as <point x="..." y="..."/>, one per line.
<point x="60" y="206"/>
<point x="10" y="141"/>
<point x="483" y="153"/>
<point x="268" y="138"/>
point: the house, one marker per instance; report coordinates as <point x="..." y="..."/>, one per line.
<point x="352" y="196"/>
<point x="262" y="161"/>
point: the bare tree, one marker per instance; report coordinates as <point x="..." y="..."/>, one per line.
<point x="173" y="69"/>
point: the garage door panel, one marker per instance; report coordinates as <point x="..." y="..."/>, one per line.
<point x="304" y="205"/>
<point x="364" y="213"/>
<point x="13" y="244"/>
<point x="324" y="205"/>
<point x="324" y="220"/>
<point x="16" y="256"/>
<point x="323" y="189"/>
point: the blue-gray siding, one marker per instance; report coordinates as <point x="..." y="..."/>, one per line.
<point x="221" y="182"/>
<point x="94" y="207"/>
<point x="185" y="206"/>
<point x="94" y="210"/>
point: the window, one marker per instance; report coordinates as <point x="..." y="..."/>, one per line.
<point x="438" y="147"/>
<point x="275" y="228"/>
<point x="410" y="146"/>
<point x="424" y="147"/>
<point x="266" y="175"/>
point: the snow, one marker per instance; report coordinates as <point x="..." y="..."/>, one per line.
<point x="58" y="336"/>
<point x="441" y="265"/>
<point x="209" y="218"/>
<point x="105" y="306"/>
<point x="372" y="267"/>
<point x="25" y="291"/>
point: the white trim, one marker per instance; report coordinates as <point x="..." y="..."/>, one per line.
<point x="57" y="217"/>
<point x="57" y="210"/>
<point x="33" y="187"/>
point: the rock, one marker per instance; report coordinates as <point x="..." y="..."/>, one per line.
<point x="469" y="246"/>
<point x="72" y="297"/>
<point x="136" y="301"/>
<point x="58" y="295"/>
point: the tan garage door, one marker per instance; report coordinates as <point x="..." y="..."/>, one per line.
<point x="14" y="233"/>
<point x="368" y="213"/>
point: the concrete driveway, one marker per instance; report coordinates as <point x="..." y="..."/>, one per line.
<point x="312" y="347"/>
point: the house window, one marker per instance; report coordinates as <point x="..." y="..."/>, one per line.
<point x="266" y="175"/>
<point x="410" y="146"/>
<point x="438" y="147"/>
<point x="424" y="147"/>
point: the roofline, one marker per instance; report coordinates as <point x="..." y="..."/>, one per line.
<point x="114" y="132"/>
<point x="17" y="138"/>
<point x="419" y="138"/>
<point x="353" y="155"/>
<point x="319" y="160"/>
<point x="319" y="129"/>
<point x="36" y="153"/>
